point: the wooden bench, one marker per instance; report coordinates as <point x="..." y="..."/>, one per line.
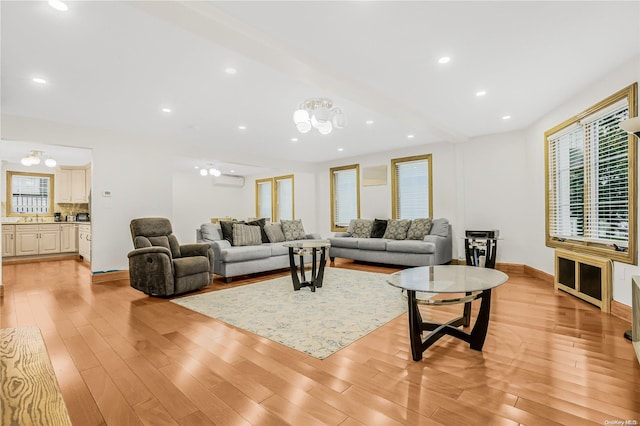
<point x="29" y="391"/>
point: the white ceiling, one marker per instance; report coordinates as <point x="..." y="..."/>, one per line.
<point x="113" y="65"/>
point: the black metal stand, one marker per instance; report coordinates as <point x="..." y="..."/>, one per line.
<point x="475" y="339"/>
<point x="317" y="271"/>
<point x="628" y="334"/>
<point x="476" y="247"/>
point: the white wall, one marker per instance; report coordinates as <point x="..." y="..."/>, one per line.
<point x="494" y="189"/>
<point x="196" y="200"/>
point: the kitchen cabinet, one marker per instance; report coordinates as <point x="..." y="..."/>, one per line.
<point x="8" y="240"/>
<point x="71" y="185"/>
<point x="37" y="239"/>
<point x="84" y="242"/>
<point x="68" y="238"/>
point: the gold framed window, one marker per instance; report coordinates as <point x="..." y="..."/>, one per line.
<point x="591" y="179"/>
<point x="345" y="196"/>
<point x="412" y="187"/>
<point x="29" y="194"/>
<point x="275" y="198"/>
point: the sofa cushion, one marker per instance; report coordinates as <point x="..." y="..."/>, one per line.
<point x="242" y="253"/>
<point x="261" y="223"/>
<point x="344" y="242"/>
<point x="293" y="230"/>
<point x="186" y="266"/>
<point x="397" y="229"/>
<point x="378" y="228"/>
<point x="274" y="232"/>
<point x="418" y="229"/>
<point x="246" y="235"/>
<point x="373" y="244"/>
<point x="409" y="246"/>
<point x="211" y="231"/>
<point x="277" y="249"/>
<point x="227" y="230"/>
<point x="360" y="228"/>
<point x="440" y="227"/>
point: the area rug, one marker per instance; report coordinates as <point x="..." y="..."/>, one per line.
<point x="349" y="305"/>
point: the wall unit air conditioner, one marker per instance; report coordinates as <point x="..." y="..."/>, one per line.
<point x="586" y="277"/>
<point x="228" y="180"/>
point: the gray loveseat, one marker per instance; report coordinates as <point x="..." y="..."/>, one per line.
<point x="233" y="260"/>
<point x="432" y="248"/>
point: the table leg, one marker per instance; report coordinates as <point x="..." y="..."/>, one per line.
<point x="294" y="272"/>
<point x="415" y="326"/>
<point x="302" y="276"/>
<point x="466" y="315"/>
<point x="323" y="260"/>
<point x="479" y="332"/>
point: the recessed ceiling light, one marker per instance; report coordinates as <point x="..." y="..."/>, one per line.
<point x="481" y="93"/>
<point x="58" y="5"/>
<point x="165" y="109"/>
<point x="196" y="167"/>
<point x="294" y="139"/>
<point x="369" y="122"/>
<point x="444" y="60"/>
<point x="242" y="127"/>
<point x="340" y="149"/>
<point x="39" y="80"/>
<point x="506" y="117"/>
<point x="231" y="71"/>
<point x="411" y="136"/>
<point x="232" y="171"/>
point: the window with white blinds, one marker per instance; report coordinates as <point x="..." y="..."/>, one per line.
<point x="284" y="198"/>
<point x="274" y="198"/>
<point x="345" y="196"/>
<point x="411" y="183"/>
<point x="264" y="198"/>
<point x="591" y="181"/>
<point x="30" y="193"/>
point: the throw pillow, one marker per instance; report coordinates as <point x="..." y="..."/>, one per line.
<point x="378" y="228"/>
<point x="260" y="222"/>
<point x="246" y="235"/>
<point x="227" y="230"/>
<point x="293" y="229"/>
<point x="362" y="228"/>
<point x="274" y="232"/>
<point x="418" y="229"/>
<point x="440" y="227"/>
<point x="397" y="229"/>
<point x="211" y="231"/>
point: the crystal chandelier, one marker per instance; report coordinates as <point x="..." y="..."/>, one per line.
<point x="319" y="113"/>
<point x="35" y="157"/>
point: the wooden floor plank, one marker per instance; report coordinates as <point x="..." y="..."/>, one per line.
<point x="121" y="357"/>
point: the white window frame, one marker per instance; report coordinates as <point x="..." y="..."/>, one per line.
<point x="44" y="208"/>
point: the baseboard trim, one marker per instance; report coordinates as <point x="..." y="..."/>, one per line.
<point x="538" y="274"/>
<point x="104" y="277"/>
<point x="35" y="259"/>
<point x="621" y="311"/>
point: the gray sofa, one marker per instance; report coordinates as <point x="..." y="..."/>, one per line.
<point x="435" y="248"/>
<point x="230" y="261"/>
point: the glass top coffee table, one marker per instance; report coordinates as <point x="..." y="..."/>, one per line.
<point x="464" y="284"/>
<point x="304" y="248"/>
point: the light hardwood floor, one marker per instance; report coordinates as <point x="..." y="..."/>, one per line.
<point x="122" y="358"/>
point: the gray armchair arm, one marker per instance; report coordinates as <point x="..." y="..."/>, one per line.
<point x="151" y="270"/>
<point x="199" y="249"/>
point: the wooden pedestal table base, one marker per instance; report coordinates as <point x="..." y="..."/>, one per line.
<point x="317" y="271"/>
<point x="474" y="283"/>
